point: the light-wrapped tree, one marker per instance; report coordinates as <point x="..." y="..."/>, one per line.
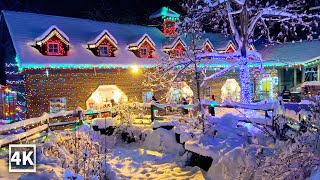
<point x="248" y="21"/>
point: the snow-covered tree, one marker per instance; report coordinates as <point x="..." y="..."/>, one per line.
<point x="247" y="21"/>
<point x="171" y="68"/>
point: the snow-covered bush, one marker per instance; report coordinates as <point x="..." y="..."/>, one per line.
<point x="164" y="141"/>
<point x="293" y="160"/>
<point x="75" y="151"/>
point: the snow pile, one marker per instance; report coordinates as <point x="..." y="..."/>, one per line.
<point x="315" y="175"/>
<point x="225" y="142"/>
<point x="163" y="140"/>
<point x="130" y="162"/>
<point x="226" y="137"/>
<point x="238" y="163"/>
<point x="103" y="122"/>
<point x="70" y="175"/>
<point x="44" y="172"/>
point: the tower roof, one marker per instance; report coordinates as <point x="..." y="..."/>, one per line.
<point x="164" y="12"/>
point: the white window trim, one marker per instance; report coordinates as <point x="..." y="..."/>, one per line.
<point x="104" y="46"/>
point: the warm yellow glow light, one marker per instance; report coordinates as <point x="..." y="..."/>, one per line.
<point x="135" y="69"/>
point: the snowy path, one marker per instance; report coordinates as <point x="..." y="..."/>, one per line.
<point x="4" y="171"/>
<point x="129" y="163"/>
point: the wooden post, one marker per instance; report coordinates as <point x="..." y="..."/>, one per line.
<point x="152" y="112"/>
<point x="279" y="80"/>
<point x="295" y="77"/>
<point x="303" y="76"/>
<point x="318" y="77"/>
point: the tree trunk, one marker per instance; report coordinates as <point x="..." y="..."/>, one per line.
<point x="201" y="119"/>
<point x="244" y="69"/>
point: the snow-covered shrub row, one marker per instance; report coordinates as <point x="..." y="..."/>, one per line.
<point x="76" y="152"/>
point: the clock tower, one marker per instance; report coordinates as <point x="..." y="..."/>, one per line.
<point x="168" y="18"/>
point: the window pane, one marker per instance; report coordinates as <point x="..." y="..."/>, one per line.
<point x="144" y="51"/>
<point x="104" y="50"/>
<point x="55" y="45"/>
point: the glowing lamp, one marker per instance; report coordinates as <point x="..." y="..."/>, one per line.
<point x="135" y="69"/>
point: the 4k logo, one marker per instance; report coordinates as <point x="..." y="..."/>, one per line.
<point x="22" y="158"/>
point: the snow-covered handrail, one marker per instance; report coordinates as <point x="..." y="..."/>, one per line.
<point x="254" y="106"/>
<point x="175" y="106"/>
<point x="16" y="137"/>
<point x="24" y="123"/>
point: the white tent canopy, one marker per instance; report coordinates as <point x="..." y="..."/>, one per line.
<point x="177" y="91"/>
<point x="101" y="98"/>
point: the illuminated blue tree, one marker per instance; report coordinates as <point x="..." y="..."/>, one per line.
<point x="247" y="21"/>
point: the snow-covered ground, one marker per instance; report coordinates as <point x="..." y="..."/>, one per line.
<point x="237" y="149"/>
<point x="140" y="163"/>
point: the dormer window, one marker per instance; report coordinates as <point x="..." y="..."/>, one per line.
<point x="103" y="45"/>
<point x="230" y="47"/>
<point x="176" y="49"/>
<point x="207" y="46"/>
<point x="53" y="42"/>
<point x="143" y="48"/>
<point x="104" y="50"/>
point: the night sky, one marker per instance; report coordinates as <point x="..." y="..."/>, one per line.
<point x="121" y="11"/>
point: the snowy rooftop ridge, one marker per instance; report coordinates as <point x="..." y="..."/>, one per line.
<point x="176" y="40"/>
<point x="144" y="36"/>
<point x="49" y="30"/>
<point x="104" y="32"/>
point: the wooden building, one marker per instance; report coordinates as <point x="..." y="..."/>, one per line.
<point x="45" y="57"/>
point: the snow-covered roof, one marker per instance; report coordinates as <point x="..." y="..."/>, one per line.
<point x="290" y="53"/>
<point x="103" y="33"/>
<point x="164" y="11"/>
<point x="24" y="28"/>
